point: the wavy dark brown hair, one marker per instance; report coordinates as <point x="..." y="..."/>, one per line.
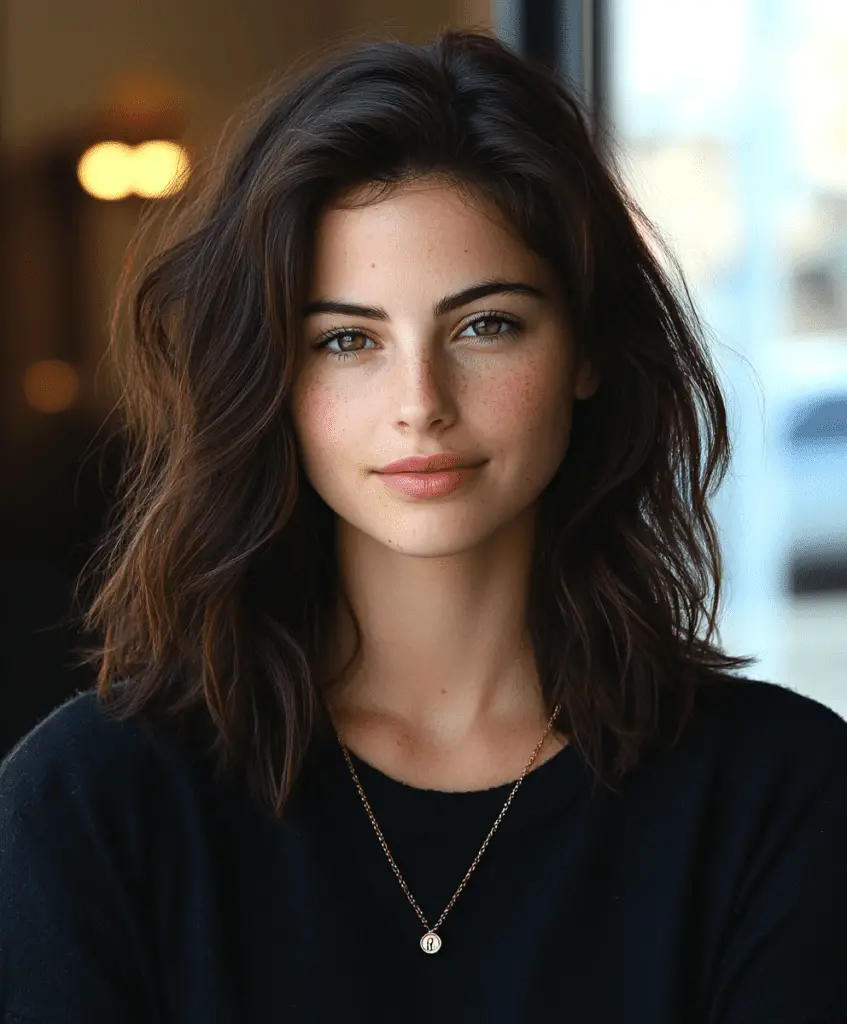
<point x="214" y="578"/>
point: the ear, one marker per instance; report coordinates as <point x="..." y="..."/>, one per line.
<point x="587" y="381"/>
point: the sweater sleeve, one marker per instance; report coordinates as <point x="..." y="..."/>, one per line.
<point x="785" y="959"/>
<point x="71" y="944"/>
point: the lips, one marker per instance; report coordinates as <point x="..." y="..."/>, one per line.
<point x="429" y="463"/>
<point x="432" y="484"/>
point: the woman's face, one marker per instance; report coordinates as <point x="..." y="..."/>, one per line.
<point x="491" y="378"/>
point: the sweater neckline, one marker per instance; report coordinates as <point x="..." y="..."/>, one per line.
<point x="383" y="779"/>
<point x="414" y="809"/>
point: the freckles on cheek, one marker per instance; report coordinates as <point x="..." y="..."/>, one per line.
<point x="514" y="400"/>
<point x="321" y="415"/>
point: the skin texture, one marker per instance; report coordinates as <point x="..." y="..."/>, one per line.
<point x="447" y="695"/>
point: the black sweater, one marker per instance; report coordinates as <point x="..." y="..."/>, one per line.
<point x="134" y="888"/>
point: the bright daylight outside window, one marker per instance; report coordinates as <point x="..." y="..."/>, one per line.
<point x="731" y="124"/>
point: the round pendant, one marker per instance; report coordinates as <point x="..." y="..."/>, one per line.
<point x="430" y="943"/>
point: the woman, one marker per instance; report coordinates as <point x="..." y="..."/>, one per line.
<point x="442" y="740"/>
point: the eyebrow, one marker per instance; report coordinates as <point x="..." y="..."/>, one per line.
<point x="445" y="305"/>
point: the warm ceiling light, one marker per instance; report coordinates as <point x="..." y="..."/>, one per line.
<point x="51" y="385"/>
<point x="105" y="170"/>
<point x="158" y="168"/>
<point x="114" y="170"/>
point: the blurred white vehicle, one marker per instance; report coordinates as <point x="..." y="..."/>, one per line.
<point x="806" y="403"/>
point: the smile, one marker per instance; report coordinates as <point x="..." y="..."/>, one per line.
<point x="431" y="484"/>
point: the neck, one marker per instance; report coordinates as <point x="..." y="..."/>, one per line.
<point x="445" y="652"/>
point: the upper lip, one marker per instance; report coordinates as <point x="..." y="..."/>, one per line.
<point x="428" y="463"/>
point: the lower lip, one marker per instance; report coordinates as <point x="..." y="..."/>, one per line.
<point x="429" y="485"/>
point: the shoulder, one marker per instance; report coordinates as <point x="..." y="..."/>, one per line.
<point x="76" y="753"/>
<point x="751" y="748"/>
<point x="767" y="799"/>
<point x="80" y="817"/>
<point x="769" y="717"/>
<point x="763" y="743"/>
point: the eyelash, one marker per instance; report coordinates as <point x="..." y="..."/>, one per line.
<point x="515" y="328"/>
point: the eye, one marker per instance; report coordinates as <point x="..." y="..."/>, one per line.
<point x="487" y="319"/>
<point x="341" y="334"/>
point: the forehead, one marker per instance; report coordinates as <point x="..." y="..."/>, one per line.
<point x="428" y="229"/>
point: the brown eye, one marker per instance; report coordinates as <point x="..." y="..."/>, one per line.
<point x="485" y="324"/>
<point x="344" y="339"/>
<point x="486" y="327"/>
<point x="341" y="338"/>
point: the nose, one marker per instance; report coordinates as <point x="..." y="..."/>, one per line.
<point x="423" y="390"/>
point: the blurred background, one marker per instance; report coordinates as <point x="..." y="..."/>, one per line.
<point x="728" y="121"/>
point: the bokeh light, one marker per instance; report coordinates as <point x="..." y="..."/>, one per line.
<point x="115" y="170"/>
<point x="105" y="170"/>
<point x="51" y="385"/>
<point x="159" y="168"/>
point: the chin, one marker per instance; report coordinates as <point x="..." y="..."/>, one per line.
<point x="433" y="530"/>
<point x="439" y="538"/>
<point x="418" y="547"/>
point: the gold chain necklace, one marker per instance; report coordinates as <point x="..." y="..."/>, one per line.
<point x="431" y="941"/>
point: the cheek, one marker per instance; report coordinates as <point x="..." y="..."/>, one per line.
<point x="525" y="402"/>
<point x="318" y="417"/>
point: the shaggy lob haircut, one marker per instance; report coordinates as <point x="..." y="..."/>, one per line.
<point x="213" y="579"/>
